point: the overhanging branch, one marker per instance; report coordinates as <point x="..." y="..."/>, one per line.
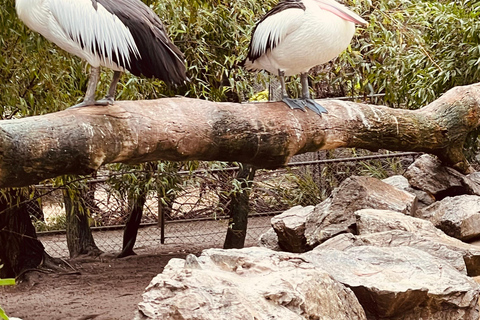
<point x="266" y="135"/>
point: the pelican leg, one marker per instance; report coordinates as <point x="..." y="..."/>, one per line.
<point x="110" y="97"/>
<point x="310" y="103"/>
<point x="292" y="103"/>
<point x="89" y="99"/>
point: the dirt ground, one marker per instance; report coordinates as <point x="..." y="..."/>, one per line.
<point x="103" y="289"/>
<point x="106" y="288"/>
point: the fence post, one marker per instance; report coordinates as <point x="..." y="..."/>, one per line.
<point x="161" y="219"/>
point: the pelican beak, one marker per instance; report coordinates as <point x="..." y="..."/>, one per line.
<point x="341" y="11"/>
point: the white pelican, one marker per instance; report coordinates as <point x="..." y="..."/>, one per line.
<point x="297" y="35"/>
<point x="117" y="34"/>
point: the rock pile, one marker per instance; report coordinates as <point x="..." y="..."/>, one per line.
<point x="392" y="249"/>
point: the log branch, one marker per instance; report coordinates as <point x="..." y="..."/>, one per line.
<point x="266" y="135"/>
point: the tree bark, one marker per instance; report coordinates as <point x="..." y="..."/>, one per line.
<point x="135" y="205"/>
<point x="19" y="248"/>
<point x="266" y="135"/>
<point x="239" y="209"/>
<point x="79" y="235"/>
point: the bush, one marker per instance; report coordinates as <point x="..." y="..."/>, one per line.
<point x="412" y="51"/>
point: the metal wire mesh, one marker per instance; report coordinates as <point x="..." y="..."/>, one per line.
<point x="197" y="215"/>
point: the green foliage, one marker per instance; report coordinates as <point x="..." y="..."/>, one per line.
<point x="36" y="77"/>
<point x="381" y="168"/>
<point x="132" y="181"/>
<point x="5" y="282"/>
<point x="306" y="190"/>
<point x="283" y="190"/>
<point x="214" y="35"/>
<point x="3" y="315"/>
<point x="260" y="96"/>
<point x="54" y="223"/>
<point x="412" y="51"/>
<point x="73" y="187"/>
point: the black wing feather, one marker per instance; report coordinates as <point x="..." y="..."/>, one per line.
<point x="159" y="57"/>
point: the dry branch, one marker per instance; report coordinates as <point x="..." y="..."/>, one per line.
<point x="266" y="135"/>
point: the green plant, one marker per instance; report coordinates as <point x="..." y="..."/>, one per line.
<point x="55" y="222"/>
<point x="3" y="315"/>
<point x="214" y="35"/>
<point x="283" y="190"/>
<point x="412" y="51"/>
<point x="132" y="181"/>
<point x="5" y="282"/>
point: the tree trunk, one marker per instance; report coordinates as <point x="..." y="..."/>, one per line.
<point x="79" y="235"/>
<point x="20" y="250"/>
<point x="239" y="209"/>
<point x="265" y="135"/>
<point x="135" y="205"/>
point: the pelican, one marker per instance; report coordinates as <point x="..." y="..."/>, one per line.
<point x="297" y="35"/>
<point x="117" y="34"/>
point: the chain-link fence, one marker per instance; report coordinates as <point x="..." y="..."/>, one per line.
<point x="195" y="214"/>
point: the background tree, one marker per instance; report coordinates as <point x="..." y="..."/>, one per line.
<point x="238" y="208"/>
<point x="79" y="235"/>
<point x="135" y="183"/>
<point x="23" y="251"/>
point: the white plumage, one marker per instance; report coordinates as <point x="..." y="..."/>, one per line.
<point x="117" y="34"/>
<point x="297" y="35"/>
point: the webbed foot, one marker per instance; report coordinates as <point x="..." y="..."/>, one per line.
<point x="315" y="107"/>
<point x="295" y="103"/>
<point x="103" y="102"/>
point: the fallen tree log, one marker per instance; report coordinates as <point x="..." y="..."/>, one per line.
<point x="266" y="135"/>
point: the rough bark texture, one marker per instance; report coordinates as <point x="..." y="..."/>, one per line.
<point x="79" y="235"/>
<point x="19" y="248"/>
<point x="266" y="135"/>
<point x="130" y="232"/>
<point x="239" y="209"/>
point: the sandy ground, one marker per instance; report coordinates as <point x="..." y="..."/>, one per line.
<point x="103" y="288"/>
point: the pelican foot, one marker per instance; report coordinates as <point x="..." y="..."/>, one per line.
<point x="107" y="101"/>
<point x="295" y="103"/>
<point x="102" y="102"/>
<point x="315" y="107"/>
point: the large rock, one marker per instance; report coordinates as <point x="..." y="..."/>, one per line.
<point x="472" y="183"/>
<point x="335" y="215"/>
<point x="428" y="174"/>
<point x="424" y="198"/>
<point x="388" y="228"/>
<point x="269" y="240"/>
<point x="398" y="238"/>
<point x="257" y="283"/>
<point x="401" y="283"/>
<point x="458" y="216"/>
<point x="252" y="283"/>
<point x="290" y="228"/>
<point x="374" y="220"/>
